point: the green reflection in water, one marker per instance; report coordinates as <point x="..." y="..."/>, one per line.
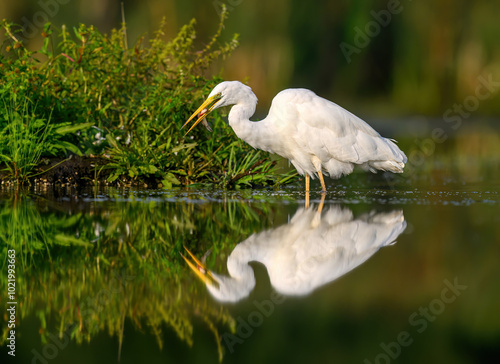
<point x="109" y="264"/>
<point x="89" y="264"/>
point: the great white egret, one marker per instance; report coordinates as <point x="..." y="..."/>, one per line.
<point x="313" y="249"/>
<point x="316" y="135"/>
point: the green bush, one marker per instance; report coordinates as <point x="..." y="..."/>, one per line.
<point x="127" y="104"/>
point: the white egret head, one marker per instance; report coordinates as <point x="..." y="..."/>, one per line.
<point x="224" y="94"/>
<point x="224" y="289"/>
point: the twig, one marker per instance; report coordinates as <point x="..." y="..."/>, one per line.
<point x="10" y="34"/>
<point x="124" y="27"/>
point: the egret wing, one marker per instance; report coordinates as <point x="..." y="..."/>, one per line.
<point x="327" y="130"/>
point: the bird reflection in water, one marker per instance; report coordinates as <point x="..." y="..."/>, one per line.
<point x="316" y="247"/>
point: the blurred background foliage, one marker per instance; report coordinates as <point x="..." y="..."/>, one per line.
<point x="425" y="57"/>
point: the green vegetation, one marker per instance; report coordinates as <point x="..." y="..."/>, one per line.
<point x="90" y="272"/>
<point x="25" y="137"/>
<point x="89" y="94"/>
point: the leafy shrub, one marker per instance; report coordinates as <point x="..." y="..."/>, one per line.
<point x="128" y="103"/>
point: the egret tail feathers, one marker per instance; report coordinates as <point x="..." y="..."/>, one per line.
<point x="390" y="166"/>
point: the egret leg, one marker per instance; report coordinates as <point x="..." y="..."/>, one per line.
<point x="307" y="191"/>
<point x="323" y="187"/>
<point x="317" y="217"/>
<point x="322" y="202"/>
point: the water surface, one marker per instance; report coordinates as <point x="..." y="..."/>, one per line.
<point x="385" y="272"/>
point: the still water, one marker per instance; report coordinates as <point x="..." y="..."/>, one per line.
<point x="377" y="273"/>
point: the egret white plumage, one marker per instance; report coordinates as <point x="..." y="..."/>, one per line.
<point x="316" y="135"/>
<point x="313" y="249"/>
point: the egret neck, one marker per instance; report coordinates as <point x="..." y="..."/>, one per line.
<point x="239" y="117"/>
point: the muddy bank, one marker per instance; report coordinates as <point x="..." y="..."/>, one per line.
<point x="78" y="172"/>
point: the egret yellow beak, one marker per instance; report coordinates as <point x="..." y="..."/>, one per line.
<point x="200" y="269"/>
<point x="203" y="111"/>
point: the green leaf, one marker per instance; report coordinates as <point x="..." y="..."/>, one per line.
<point x="69" y="147"/>
<point x="67" y="129"/>
<point x="170" y="179"/>
<point x="64" y="239"/>
<point x="113" y="177"/>
<point x="183" y="146"/>
<point x="151" y="169"/>
<point x="112" y="141"/>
